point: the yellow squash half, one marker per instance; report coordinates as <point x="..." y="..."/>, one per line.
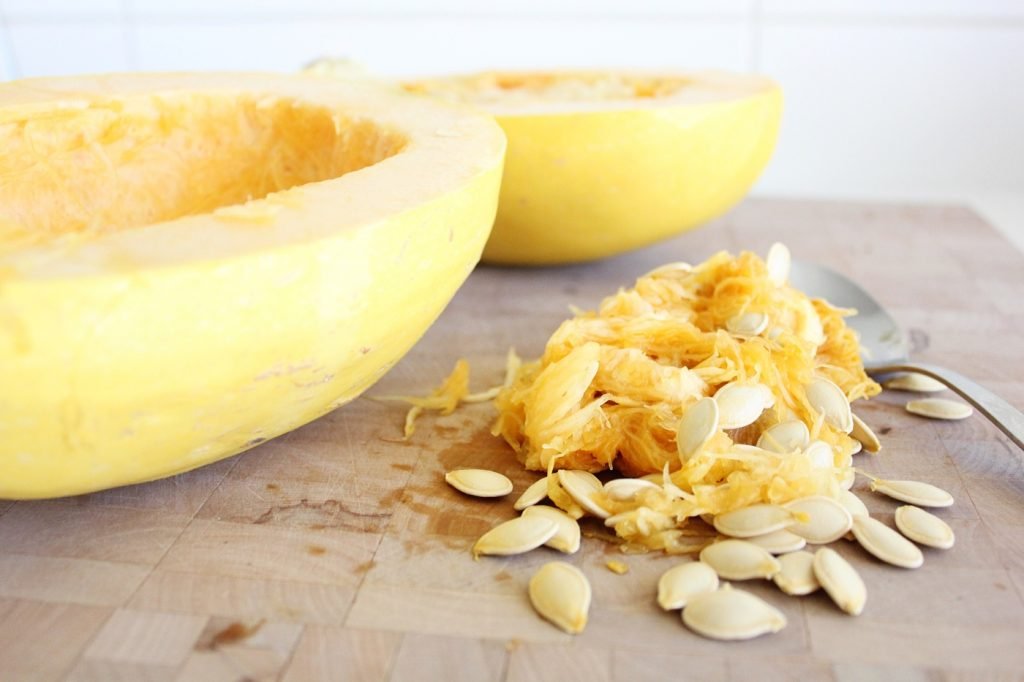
<point x="192" y="264"/>
<point x="601" y="163"/>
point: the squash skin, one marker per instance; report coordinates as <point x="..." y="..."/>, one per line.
<point x="130" y="371"/>
<point x="585" y="180"/>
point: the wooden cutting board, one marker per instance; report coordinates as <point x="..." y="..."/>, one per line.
<point x="337" y="552"/>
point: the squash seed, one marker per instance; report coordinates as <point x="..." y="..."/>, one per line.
<point x="913" y="492"/>
<point x="777" y="262"/>
<point x="852" y="504"/>
<point x="534" y="494"/>
<point x="562" y="499"/>
<point x="847" y="479"/>
<point x="827" y="520"/>
<point x="479" y="482"/>
<point x="917" y="383"/>
<point x="747" y="324"/>
<point x="863" y="434"/>
<point x="924" y="528"/>
<point x="739" y="405"/>
<point x="516" y="536"/>
<point x="617" y="567"/>
<point x="739" y="560"/>
<point x="821" y="455"/>
<point x="679" y="584"/>
<point x="797" y="577"/>
<point x="828" y="399"/>
<point x="939" y="408"/>
<point x="785" y="437"/>
<point x="731" y="614"/>
<point x="567" y="538"/>
<point x="840" y="580"/>
<point x="582" y="486"/>
<point x="886" y="544"/>
<point x="757" y="519"/>
<point x="626" y="489"/>
<point x="699" y="423"/>
<point x="561" y="593"/>
<point x="779" y="542"/>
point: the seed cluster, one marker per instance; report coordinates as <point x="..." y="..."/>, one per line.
<point x="765" y="457"/>
<point x="759" y="541"/>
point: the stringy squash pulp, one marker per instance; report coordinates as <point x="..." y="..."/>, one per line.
<point x="191" y="264"/>
<point x="599" y="163"/>
<point x="614" y="385"/>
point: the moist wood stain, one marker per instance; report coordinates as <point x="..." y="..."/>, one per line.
<point x="273" y="487"/>
<point x="233" y="633"/>
<point x="316" y="550"/>
<point x="402" y="467"/>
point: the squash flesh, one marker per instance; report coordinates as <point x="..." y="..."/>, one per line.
<point x="117" y="165"/>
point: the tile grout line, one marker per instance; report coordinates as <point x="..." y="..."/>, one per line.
<point x="754" y="28"/>
<point x="10" y="57"/>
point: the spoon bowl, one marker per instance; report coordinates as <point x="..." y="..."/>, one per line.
<point x="884" y="347"/>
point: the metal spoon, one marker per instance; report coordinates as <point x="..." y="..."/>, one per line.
<point x="886" y="349"/>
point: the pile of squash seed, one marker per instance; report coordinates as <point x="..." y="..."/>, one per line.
<point x="761" y="541"/>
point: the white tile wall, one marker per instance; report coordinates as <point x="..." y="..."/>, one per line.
<point x="876" y="108"/>
<point x="884" y="98"/>
<point x="434" y="45"/>
<point x="7" y="67"/>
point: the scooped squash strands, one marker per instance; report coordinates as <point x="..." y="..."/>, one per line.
<point x="679" y="584"/>
<point x="581" y="487"/>
<point x="827" y="520"/>
<point x="828" y="399"/>
<point x="739" y="405"/>
<point x="779" y="542"/>
<point x="886" y="544"/>
<point x="561" y="593"/>
<point x="924" y="528"/>
<point x="698" y="424"/>
<point x="757" y="519"/>
<point x="785" y="437"/>
<point x="913" y="492"/>
<point x="516" y="536"/>
<point x="840" y="580"/>
<point x="567" y="538"/>
<point x="479" y="482"/>
<point x="796" y="576"/>
<point x="731" y="614"/>
<point x="534" y="494"/>
<point x="739" y="560"/>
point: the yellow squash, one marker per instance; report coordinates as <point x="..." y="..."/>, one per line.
<point x="192" y="264"/>
<point x="601" y="163"/>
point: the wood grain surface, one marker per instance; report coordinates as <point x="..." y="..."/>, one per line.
<point x="337" y="552"/>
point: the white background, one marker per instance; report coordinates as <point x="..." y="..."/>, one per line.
<point x="902" y="100"/>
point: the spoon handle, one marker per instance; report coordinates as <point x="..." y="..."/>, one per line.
<point x="1001" y="413"/>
